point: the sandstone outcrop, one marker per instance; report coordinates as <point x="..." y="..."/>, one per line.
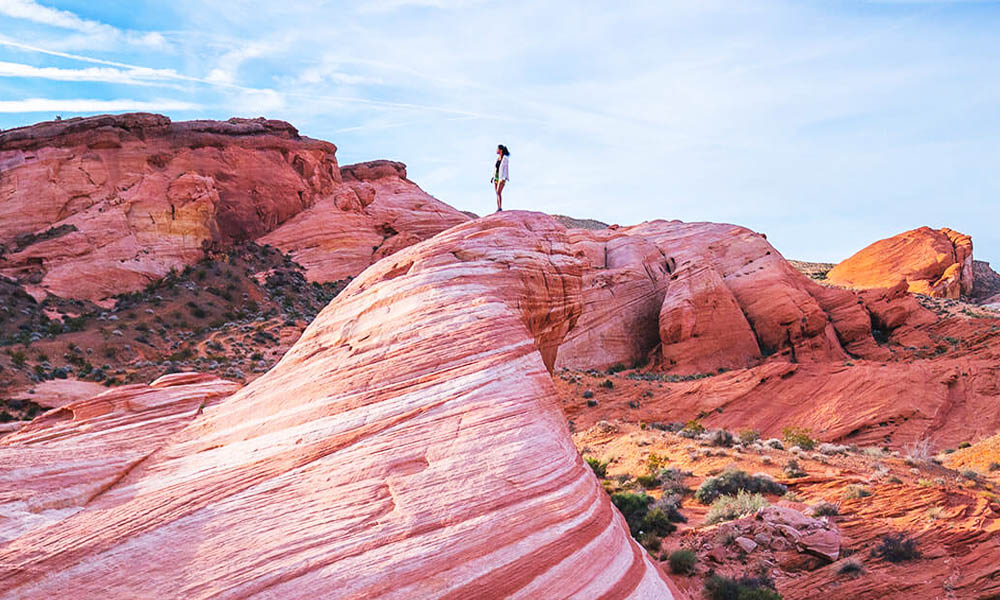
<point x="935" y="262"/>
<point x="97" y="206"/>
<point x="400" y="449"/>
<point x="710" y="296"/>
<point x="376" y="212"/>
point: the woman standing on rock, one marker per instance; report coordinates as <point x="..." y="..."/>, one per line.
<point x="500" y="175"/>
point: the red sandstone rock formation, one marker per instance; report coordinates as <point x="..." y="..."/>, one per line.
<point x="98" y="206"/>
<point x="376" y="212"/>
<point x="711" y="295"/>
<point x="400" y="449"/>
<point x="935" y="262"/>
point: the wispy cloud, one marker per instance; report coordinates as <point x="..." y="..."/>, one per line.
<point x="30" y="10"/>
<point x="36" y="105"/>
<point x="131" y="76"/>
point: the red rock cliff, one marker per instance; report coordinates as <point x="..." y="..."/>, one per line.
<point x="97" y="206"/>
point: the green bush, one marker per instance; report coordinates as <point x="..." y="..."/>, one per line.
<point x="641" y="516"/>
<point x="727" y="508"/>
<point x="718" y="587"/>
<point x="647" y="481"/>
<point x="600" y="468"/>
<point x="682" y="562"/>
<point x="748" y="436"/>
<point x="732" y="481"/>
<point x="799" y="436"/>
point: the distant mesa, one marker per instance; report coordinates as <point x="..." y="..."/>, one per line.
<point x="934" y="262"/>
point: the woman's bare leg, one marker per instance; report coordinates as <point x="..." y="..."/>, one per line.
<point x="499" y="187"/>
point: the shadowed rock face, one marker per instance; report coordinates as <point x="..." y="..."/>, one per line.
<point x="935" y="262"/>
<point x="102" y="205"/>
<point x="401" y="449"/>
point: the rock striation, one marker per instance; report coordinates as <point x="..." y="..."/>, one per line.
<point x="97" y="206"/>
<point x="934" y="262"/>
<point x="401" y="449"/>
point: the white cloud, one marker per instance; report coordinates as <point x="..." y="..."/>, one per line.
<point x="74" y="106"/>
<point x="95" y="32"/>
<point x="134" y="76"/>
<point x="33" y="11"/>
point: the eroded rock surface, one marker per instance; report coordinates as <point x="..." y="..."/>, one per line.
<point x="400" y="449"/>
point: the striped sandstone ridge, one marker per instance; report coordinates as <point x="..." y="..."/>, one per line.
<point x="97" y="206"/>
<point x="410" y="445"/>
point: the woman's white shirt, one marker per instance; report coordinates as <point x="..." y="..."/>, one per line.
<point x="504" y="174"/>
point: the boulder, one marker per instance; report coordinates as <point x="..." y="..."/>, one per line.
<point x="935" y="262"/>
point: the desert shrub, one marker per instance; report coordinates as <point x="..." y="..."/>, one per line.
<point x="798" y="436"/>
<point x="616" y="368"/>
<point x="831" y="449"/>
<point x="600" y="468"/>
<point x="682" y="562"/>
<point x="964" y="445"/>
<point x="850" y="567"/>
<point x="727" y="508"/>
<point x="673" y="482"/>
<point x="640" y="516"/>
<point x="588" y="394"/>
<point x="856" y="491"/>
<point x="732" y="481"/>
<point x="825" y="509"/>
<point x="969" y="474"/>
<point x="607" y="384"/>
<point x="793" y="470"/>
<point x="896" y="547"/>
<point x="650" y="541"/>
<point x="748" y="436"/>
<point x="994" y="466"/>
<point x="919" y="451"/>
<point x="671" y="507"/>
<point x="655" y="463"/>
<point x="18" y="357"/>
<point x="647" y="481"/>
<point x="720" y="437"/>
<point x="718" y="587"/>
<point x="693" y="426"/>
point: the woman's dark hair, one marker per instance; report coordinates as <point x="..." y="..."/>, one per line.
<point x="504" y="149"/>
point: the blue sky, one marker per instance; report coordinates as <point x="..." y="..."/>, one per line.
<point x="825" y="124"/>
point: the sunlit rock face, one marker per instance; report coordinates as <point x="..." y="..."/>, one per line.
<point x="935" y="262"/>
